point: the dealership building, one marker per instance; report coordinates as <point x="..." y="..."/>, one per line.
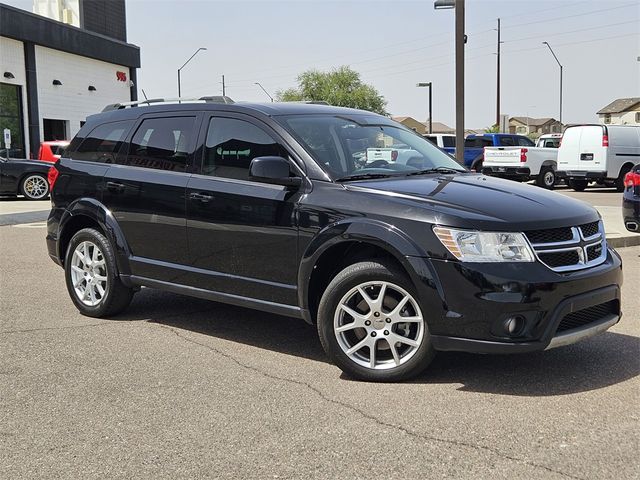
<point x="60" y="64"/>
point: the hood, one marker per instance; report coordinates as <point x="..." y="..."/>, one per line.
<point x="475" y="200"/>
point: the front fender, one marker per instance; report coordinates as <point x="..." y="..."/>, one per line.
<point x="96" y="211"/>
<point x="368" y="231"/>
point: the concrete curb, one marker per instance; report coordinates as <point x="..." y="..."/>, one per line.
<point x="631" y="240"/>
<point x="24" y="217"/>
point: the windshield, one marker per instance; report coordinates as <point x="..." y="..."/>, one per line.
<point x="349" y="149"/>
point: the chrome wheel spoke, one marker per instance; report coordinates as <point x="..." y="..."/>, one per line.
<point x="403" y="335"/>
<point x="88" y="273"/>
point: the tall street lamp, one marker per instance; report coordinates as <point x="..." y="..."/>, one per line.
<point x="458" y="5"/>
<point x="554" y="56"/>
<point x="185" y="63"/>
<point x="428" y="84"/>
<point x="264" y="90"/>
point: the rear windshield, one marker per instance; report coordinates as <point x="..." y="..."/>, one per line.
<point x="344" y="147"/>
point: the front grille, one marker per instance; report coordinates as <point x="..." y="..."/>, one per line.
<point x="593" y="252"/>
<point x="559" y="259"/>
<point x="588" y="315"/>
<point x="567" y="248"/>
<point x="551" y="235"/>
<point x="590" y="229"/>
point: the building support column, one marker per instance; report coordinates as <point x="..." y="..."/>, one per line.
<point x="134" y="84"/>
<point x="33" y="114"/>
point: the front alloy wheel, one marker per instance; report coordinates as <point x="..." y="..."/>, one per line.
<point x="378" y="325"/>
<point x="371" y="324"/>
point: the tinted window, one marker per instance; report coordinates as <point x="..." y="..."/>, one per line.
<point x="232" y="144"/>
<point x="103" y="143"/>
<point x="449" y="141"/>
<point x="507" y="142"/>
<point x="525" y="142"/>
<point x="162" y="143"/>
<point x="433" y="140"/>
<point x="478" y="142"/>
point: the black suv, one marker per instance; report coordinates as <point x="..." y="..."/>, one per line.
<point x="340" y="217"/>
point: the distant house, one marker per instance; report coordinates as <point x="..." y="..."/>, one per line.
<point x="423" y="128"/>
<point x="623" y="111"/>
<point x="528" y="125"/>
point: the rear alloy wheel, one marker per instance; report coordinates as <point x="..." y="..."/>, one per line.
<point x="578" y="185"/>
<point x="92" y="277"/>
<point x="371" y="324"/>
<point x="34" y="187"/>
<point x="546" y="178"/>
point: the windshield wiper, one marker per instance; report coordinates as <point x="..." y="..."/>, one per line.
<point x="437" y="170"/>
<point x="365" y="176"/>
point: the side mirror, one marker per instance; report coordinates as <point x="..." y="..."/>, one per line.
<point x="274" y="170"/>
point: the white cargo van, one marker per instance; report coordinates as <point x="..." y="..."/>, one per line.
<point x="601" y="153"/>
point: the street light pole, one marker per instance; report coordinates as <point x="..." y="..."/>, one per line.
<point x="460" y="41"/>
<point x="265" y="91"/>
<point x="560" y="65"/>
<point x="185" y="63"/>
<point x="430" y="85"/>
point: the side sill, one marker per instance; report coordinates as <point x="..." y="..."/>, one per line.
<point x="240" y="301"/>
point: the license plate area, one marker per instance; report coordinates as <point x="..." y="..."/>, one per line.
<point x="586" y="157"/>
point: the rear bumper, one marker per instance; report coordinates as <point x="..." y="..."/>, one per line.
<point x="580" y="175"/>
<point x="631" y="212"/>
<point x="520" y="173"/>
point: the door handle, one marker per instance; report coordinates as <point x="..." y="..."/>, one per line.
<point x="200" y="197"/>
<point x="115" y="187"/>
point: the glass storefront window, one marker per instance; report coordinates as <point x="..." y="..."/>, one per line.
<point x="11" y="118"/>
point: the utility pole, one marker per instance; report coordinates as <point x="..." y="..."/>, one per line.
<point x="560" y="65"/>
<point x="224" y="89"/>
<point x="430" y="85"/>
<point x="498" y="81"/>
<point x="460" y="41"/>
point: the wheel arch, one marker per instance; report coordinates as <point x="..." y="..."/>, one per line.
<point x="90" y="213"/>
<point x="550" y="163"/>
<point x="348" y="242"/>
<point x="625" y="166"/>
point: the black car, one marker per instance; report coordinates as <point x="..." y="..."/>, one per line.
<point x="340" y="217"/>
<point x="631" y="200"/>
<point x="24" y="177"/>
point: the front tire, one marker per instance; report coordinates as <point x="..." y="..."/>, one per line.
<point x="91" y="275"/>
<point x="34" y="187"/>
<point x="371" y="324"/>
<point x="578" y="185"/>
<point x="546" y="178"/>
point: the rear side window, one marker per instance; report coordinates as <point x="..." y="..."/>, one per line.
<point x="162" y="144"/>
<point x="525" y="142"/>
<point x="103" y="143"/>
<point x="449" y="141"/>
<point x="232" y="144"/>
<point x="507" y="142"/>
<point x="478" y="142"/>
<point x="433" y="140"/>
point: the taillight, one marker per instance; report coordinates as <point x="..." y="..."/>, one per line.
<point x="523" y="155"/>
<point x="394" y="155"/>
<point x="632" y="179"/>
<point x="605" y="140"/>
<point x="52" y="176"/>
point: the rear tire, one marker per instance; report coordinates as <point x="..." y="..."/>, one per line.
<point x="34" y="187"/>
<point x="578" y="185"/>
<point x="546" y="178"/>
<point x="401" y="349"/>
<point x="91" y="275"/>
<point x="619" y="184"/>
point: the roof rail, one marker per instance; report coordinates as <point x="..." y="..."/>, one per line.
<point x="309" y="102"/>
<point x="209" y="99"/>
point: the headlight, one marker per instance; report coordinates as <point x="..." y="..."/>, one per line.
<point x="472" y="246"/>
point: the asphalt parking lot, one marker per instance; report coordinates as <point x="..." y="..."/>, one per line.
<point x="182" y="388"/>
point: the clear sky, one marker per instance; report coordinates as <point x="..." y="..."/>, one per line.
<point x="394" y="44"/>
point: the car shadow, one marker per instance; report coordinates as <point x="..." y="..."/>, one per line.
<point x="599" y="362"/>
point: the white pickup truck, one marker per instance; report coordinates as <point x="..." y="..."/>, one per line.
<point x="538" y="163"/>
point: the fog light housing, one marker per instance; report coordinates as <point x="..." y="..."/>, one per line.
<point x="513" y="326"/>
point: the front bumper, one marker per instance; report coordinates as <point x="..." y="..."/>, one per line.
<point x="517" y="173"/>
<point x="477" y="300"/>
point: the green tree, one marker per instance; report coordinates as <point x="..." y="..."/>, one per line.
<point x="492" y="129"/>
<point x="341" y="87"/>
